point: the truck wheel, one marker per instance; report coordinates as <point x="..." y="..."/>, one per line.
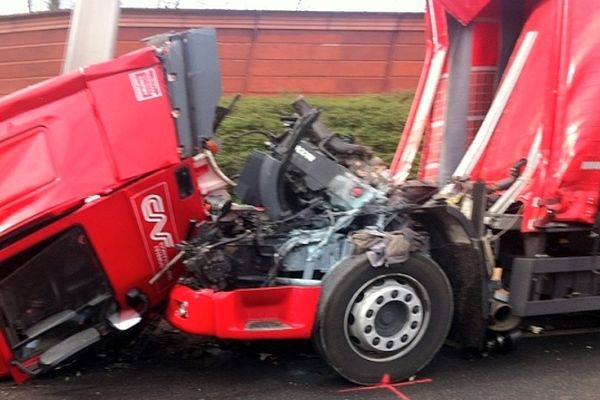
<point x="388" y="320"/>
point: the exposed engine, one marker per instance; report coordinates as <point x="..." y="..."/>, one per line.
<point x="302" y="202"/>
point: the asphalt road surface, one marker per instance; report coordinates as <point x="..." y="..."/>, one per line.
<point x="169" y="365"/>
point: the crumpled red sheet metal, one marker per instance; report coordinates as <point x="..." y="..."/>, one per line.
<point x="556" y="95"/>
<point x="567" y="186"/>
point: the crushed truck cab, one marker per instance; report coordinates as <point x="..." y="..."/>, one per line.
<point x="94" y="198"/>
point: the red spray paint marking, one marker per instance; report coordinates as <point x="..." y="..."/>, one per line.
<point x="385" y="384"/>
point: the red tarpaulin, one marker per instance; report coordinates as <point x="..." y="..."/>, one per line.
<point x="551" y="94"/>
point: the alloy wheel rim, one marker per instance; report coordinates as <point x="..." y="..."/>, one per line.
<point x="387" y="317"/>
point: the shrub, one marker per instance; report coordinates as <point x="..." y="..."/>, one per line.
<point x="374" y="120"/>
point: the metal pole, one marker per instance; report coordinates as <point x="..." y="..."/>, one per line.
<point x="92" y="33"/>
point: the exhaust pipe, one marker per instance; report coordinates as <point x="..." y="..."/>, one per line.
<point x="501" y="311"/>
<point x="502" y="317"/>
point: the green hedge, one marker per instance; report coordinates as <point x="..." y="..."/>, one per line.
<point x="374" y="120"/>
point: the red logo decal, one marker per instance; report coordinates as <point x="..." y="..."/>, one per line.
<point x="155" y="219"/>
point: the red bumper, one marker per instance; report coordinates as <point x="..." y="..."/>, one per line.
<point x="282" y="312"/>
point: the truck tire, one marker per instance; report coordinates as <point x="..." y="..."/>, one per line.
<point x="382" y="321"/>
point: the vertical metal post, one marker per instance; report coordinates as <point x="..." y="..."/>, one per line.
<point x="92" y="33"/>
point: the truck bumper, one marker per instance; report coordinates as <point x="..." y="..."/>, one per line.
<point x="282" y="312"/>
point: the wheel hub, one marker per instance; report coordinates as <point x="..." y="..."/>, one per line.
<point x="385" y="317"/>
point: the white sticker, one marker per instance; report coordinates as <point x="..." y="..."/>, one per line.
<point x="590" y="165"/>
<point x="304" y="153"/>
<point x="145" y="84"/>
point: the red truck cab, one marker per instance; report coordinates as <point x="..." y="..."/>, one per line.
<point x="96" y="191"/>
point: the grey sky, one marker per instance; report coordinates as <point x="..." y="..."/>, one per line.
<point x="20" y="6"/>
